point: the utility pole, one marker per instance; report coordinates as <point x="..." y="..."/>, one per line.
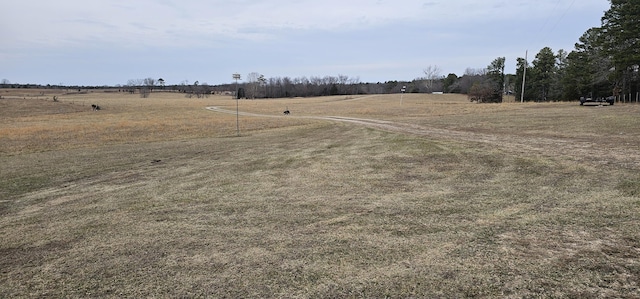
<point x="236" y="76"/>
<point x="524" y="75"/>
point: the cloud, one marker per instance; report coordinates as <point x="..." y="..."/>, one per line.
<point x="375" y="40"/>
<point x="61" y="23"/>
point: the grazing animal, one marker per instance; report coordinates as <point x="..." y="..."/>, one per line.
<point x="286" y="112"/>
<point x="95" y="107"/>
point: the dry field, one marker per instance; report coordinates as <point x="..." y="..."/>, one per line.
<point x="347" y="197"/>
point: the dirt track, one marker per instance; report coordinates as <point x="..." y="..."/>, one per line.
<point x="579" y="150"/>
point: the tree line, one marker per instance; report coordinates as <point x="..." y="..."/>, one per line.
<point x="605" y="62"/>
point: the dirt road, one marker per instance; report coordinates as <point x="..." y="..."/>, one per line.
<point x="588" y="151"/>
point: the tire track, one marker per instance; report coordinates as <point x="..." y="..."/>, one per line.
<point x="578" y="150"/>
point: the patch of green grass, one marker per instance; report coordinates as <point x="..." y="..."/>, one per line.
<point x="14" y="186"/>
<point x="630" y="186"/>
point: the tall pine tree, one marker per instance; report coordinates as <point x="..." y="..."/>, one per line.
<point x="543" y="73"/>
<point x="621" y="41"/>
<point x="588" y="67"/>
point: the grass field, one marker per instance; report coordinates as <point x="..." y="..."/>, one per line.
<point x="347" y="197"/>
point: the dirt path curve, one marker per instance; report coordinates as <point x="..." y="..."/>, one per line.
<point x="578" y="150"/>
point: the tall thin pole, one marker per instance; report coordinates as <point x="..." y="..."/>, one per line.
<point x="524" y="75"/>
<point x="236" y="77"/>
<point x="237" y="117"/>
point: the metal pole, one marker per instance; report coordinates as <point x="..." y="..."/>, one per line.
<point x="237" y="118"/>
<point x="524" y="75"/>
<point x="236" y="77"/>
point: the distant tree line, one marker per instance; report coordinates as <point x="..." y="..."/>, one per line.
<point x="257" y="86"/>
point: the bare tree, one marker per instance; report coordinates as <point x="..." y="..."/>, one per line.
<point x="355" y="82"/>
<point x="432" y="74"/>
<point x="481" y="91"/>
<point x="263" y="82"/>
<point x="134" y="84"/>
<point x="149" y="82"/>
<point x="147" y="87"/>
<point x="192" y="90"/>
<point x="200" y="90"/>
<point x="470" y="77"/>
<point x="253" y="81"/>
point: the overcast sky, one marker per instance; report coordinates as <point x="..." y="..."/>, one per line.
<point x="108" y="42"/>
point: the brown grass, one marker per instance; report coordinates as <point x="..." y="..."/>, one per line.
<point x="157" y="198"/>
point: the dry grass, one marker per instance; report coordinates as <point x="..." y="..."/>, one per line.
<point x="153" y="198"/>
<point x="36" y="124"/>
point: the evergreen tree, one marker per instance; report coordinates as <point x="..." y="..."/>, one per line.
<point x="543" y="73"/>
<point x="588" y="68"/>
<point x="495" y="76"/>
<point x="520" y="73"/>
<point x="557" y="88"/>
<point x="449" y="82"/>
<point x="621" y="40"/>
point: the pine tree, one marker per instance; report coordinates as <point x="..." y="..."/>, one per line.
<point x="543" y="73"/>
<point x="495" y="76"/>
<point x="588" y="67"/>
<point x="621" y="41"/>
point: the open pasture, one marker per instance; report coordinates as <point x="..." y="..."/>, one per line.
<point x="347" y="197"/>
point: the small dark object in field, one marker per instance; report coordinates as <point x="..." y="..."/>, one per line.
<point x="600" y="100"/>
<point x="286" y="112"/>
<point x="95" y="107"/>
<point x="155" y="161"/>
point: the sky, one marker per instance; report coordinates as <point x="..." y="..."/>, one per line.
<point x="109" y="42"/>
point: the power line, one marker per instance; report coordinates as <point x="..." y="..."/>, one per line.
<point x="561" y="17"/>
<point x="543" y="32"/>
